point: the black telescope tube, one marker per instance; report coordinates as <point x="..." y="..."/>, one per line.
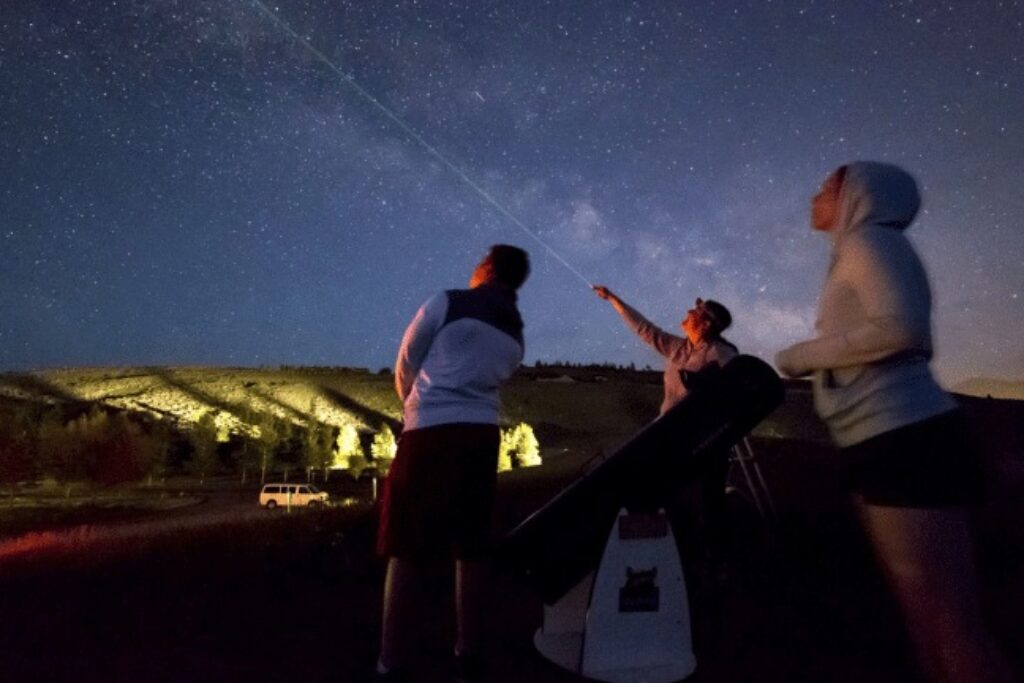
<point x="556" y="546"/>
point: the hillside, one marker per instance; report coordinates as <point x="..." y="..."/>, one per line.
<point x="562" y="412"/>
<point x="569" y="408"/>
<point x="983" y="387"/>
<point x="337" y="397"/>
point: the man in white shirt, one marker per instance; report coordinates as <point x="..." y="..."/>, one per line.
<point x="438" y="498"/>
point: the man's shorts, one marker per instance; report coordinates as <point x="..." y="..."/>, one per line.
<point x="438" y="499"/>
<point x="932" y="463"/>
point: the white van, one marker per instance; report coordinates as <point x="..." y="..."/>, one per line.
<point x="297" y="495"/>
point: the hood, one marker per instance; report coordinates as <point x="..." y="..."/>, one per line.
<point x="875" y="193"/>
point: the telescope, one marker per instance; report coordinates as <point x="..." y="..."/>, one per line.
<point x="562" y="542"/>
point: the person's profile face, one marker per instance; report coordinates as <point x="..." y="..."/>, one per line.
<point x="825" y="204"/>
<point x="695" y="323"/>
<point x="482" y="274"/>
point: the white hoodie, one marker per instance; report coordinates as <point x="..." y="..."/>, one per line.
<point x="870" y="358"/>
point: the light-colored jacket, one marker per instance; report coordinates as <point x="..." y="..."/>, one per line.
<point x="680" y="353"/>
<point x="455" y="354"/>
<point x="870" y="358"/>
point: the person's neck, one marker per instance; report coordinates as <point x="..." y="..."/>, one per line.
<point x="493" y="284"/>
<point x="498" y="288"/>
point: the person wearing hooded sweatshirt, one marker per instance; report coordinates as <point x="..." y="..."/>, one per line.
<point x="904" y="442"/>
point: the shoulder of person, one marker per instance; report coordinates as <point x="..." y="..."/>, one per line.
<point x="876" y="247"/>
<point x="436" y="305"/>
<point x="681" y="346"/>
<point x="874" y="239"/>
<point x="724" y="347"/>
<point x="858" y="250"/>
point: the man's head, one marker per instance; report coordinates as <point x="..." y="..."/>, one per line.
<point x="706" y="320"/>
<point x="503" y="265"/>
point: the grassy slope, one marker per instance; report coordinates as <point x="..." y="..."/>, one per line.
<point x="602" y="409"/>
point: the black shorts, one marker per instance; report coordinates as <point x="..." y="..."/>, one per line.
<point x="932" y="463"/>
<point x="438" y="499"/>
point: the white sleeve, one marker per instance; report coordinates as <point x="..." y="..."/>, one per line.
<point x="416" y="341"/>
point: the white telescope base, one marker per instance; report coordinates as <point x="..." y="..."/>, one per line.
<point x="630" y="621"/>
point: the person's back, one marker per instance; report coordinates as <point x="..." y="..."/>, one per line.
<point x="438" y="500"/>
<point x="477" y="343"/>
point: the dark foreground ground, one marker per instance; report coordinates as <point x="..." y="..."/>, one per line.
<point x="297" y="598"/>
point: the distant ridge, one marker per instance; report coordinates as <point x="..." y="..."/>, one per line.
<point x="996" y="388"/>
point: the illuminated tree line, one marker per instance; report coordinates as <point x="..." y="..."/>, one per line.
<point x="101" y="446"/>
<point x="94" y="445"/>
<point x="79" y="445"/>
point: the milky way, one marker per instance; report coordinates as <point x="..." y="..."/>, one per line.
<point x="184" y="183"/>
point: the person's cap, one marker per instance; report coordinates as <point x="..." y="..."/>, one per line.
<point x="715" y="312"/>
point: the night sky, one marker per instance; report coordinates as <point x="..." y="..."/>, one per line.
<point x="184" y="183"/>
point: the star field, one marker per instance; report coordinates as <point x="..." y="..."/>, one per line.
<point x="184" y="183"/>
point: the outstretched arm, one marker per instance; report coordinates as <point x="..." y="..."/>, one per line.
<point x="661" y="341"/>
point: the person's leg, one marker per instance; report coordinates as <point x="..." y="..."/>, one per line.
<point x="470" y="583"/>
<point x="928" y="559"/>
<point x="398" y="616"/>
<point x="472" y="521"/>
<point x="407" y="533"/>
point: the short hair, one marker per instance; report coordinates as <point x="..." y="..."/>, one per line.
<point x="511" y="265"/>
<point x="840" y="175"/>
<point x="718" y="315"/>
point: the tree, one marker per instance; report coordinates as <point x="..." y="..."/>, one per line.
<point x="318" y="454"/>
<point x="505" y="448"/>
<point x="286" y="434"/>
<point x="518" y="448"/>
<point x="16" y="448"/>
<point x="203" y="438"/>
<point x="68" y="450"/>
<point x="383" y="448"/>
<point x="52" y="445"/>
<point x="347" y="447"/>
<point x="527" y="446"/>
<point x="89" y="433"/>
<point x="269" y="438"/>
<point x="117" y="450"/>
<point x="249" y="457"/>
<point x="155" y="451"/>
